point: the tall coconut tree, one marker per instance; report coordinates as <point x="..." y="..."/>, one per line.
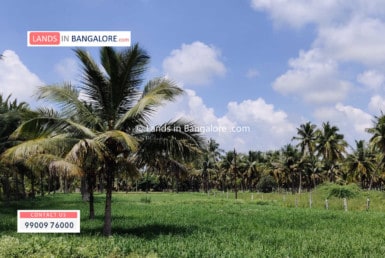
<point x="307" y="139"/>
<point x="253" y="167"/>
<point x="377" y="141"/>
<point x="210" y="158"/>
<point x="113" y="110"/>
<point x="169" y="146"/>
<point x="288" y="166"/>
<point x="361" y="164"/>
<point x="331" y="147"/>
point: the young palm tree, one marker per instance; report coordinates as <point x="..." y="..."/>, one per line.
<point x="113" y="110"/>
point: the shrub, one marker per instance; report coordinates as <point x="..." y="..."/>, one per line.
<point x="339" y="191"/>
<point x="266" y="184"/>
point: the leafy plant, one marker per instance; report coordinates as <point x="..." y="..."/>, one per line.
<point x="266" y="184"/>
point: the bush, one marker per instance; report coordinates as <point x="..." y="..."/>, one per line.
<point x="266" y="184"/>
<point x="339" y="191"/>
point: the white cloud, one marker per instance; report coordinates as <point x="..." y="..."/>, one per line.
<point x="377" y="104"/>
<point x="67" y="69"/>
<point x="16" y="79"/>
<point x="194" y="64"/>
<point x="355" y="117"/>
<point x="372" y="79"/>
<point x="269" y="127"/>
<point x="348" y="35"/>
<point x="314" y="78"/>
<point x="358" y="40"/>
<point x="351" y="121"/>
<point x="250" y="124"/>
<point x="298" y="13"/>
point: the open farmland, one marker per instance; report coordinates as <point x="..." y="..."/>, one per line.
<point x="200" y="225"/>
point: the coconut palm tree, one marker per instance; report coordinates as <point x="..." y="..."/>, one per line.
<point x="210" y="158"/>
<point x="168" y="147"/>
<point x="112" y="111"/>
<point x="377" y="141"/>
<point x="307" y="138"/>
<point x="250" y="162"/>
<point x="361" y="164"/>
<point x="230" y="170"/>
<point x="288" y="165"/>
<point x="331" y="147"/>
<point x="12" y="114"/>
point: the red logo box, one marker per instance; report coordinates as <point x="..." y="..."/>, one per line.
<point x="44" y="38"/>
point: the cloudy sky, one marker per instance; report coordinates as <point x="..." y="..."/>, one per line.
<point x="258" y="68"/>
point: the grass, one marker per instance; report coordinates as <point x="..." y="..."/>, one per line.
<point x="201" y="225"/>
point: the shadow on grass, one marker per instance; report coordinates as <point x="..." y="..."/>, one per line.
<point x="147" y="232"/>
<point x="153" y="231"/>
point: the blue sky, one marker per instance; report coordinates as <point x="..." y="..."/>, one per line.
<point x="268" y="65"/>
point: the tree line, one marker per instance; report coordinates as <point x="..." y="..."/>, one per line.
<point x="91" y="142"/>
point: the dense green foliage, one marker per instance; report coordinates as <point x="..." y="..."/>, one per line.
<point x="341" y="191"/>
<point x="201" y="225"/>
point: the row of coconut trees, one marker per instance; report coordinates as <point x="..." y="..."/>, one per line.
<point x="315" y="155"/>
<point x="95" y="140"/>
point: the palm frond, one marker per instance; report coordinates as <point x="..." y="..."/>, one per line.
<point x="120" y="140"/>
<point x="40" y="161"/>
<point x="67" y="99"/>
<point x="47" y="112"/>
<point x="174" y="139"/>
<point x="134" y="62"/>
<point x="62" y="167"/>
<point x="56" y="146"/>
<point x="87" y="153"/>
<point x="95" y="85"/>
<point x="43" y="127"/>
<point x="127" y="166"/>
<point x="156" y="93"/>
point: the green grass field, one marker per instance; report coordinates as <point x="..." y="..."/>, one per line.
<point x="198" y="225"/>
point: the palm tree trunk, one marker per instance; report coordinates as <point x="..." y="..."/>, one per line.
<point x="15" y="185"/>
<point x="33" y="186"/>
<point x="147" y="183"/>
<point x="65" y="185"/>
<point x="107" y="227"/>
<point x="235" y="171"/>
<point x="41" y="184"/>
<point x="101" y="184"/>
<point x="6" y="188"/>
<point x="370" y="183"/>
<point x="91" y="184"/>
<point x="84" y="189"/>
<point x="300" y="181"/>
